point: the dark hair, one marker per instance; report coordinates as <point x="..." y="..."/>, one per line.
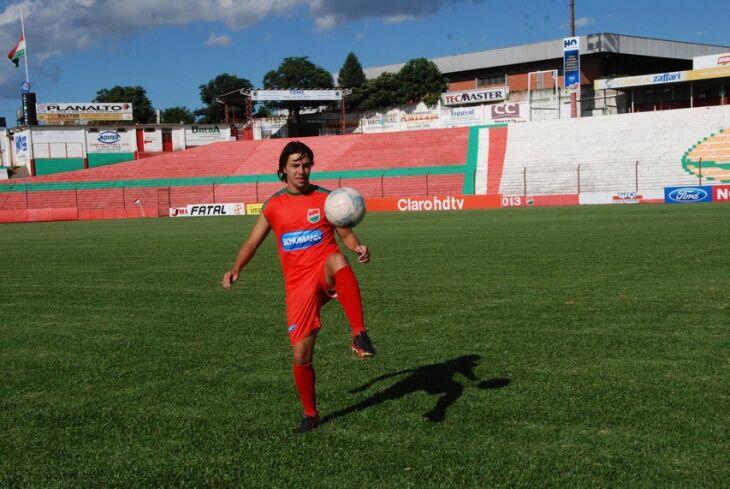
<point x="293" y="147"/>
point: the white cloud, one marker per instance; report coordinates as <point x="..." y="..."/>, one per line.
<point x="584" y="21"/>
<point x="702" y="33"/>
<point x="331" y="13"/>
<point x="218" y="40"/>
<point x="65" y="26"/>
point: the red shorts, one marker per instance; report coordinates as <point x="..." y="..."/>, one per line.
<point x="303" y="303"/>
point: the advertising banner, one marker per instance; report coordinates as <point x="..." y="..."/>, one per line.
<point x="721" y="193"/>
<point x="509" y="112"/>
<point x="296" y="95"/>
<point x="21" y="145"/>
<point x="628" y="197"/>
<point x="110" y="141"/>
<point x="205" y="134"/>
<point x="462" y="116"/>
<point x="434" y="203"/>
<point x="708" y="73"/>
<point x="687" y="195"/>
<point x="254" y="209"/>
<point x="711" y="61"/>
<point x="204" y="210"/>
<point x="642" y="80"/>
<point x="380" y="123"/>
<point x="571" y="64"/>
<point x="425" y="119"/>
<point x="60" y="113"/>
<point x="481" y="95"/>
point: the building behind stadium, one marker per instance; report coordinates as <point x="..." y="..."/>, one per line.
<point x="617" y="74"/>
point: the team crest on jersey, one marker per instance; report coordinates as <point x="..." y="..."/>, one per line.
<point x="313" y="215"/>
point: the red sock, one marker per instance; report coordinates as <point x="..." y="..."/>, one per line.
<point x="348" y="293"/>
<point x="304" y="379"/>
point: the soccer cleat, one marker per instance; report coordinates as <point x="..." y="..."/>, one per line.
<point x="362" y="346"/>
<point x="309" y="423"/>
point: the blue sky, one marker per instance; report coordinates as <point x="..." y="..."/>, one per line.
<point x="171" y="47"/>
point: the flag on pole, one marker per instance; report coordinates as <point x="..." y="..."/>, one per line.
<point x="18" y="51"/>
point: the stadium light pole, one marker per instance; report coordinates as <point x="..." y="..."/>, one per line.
<point x="573" y="95"/>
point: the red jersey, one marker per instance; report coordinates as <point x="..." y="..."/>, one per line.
<point x="304" y="236"/>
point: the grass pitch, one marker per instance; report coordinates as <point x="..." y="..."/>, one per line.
<point x="563" y="347"/>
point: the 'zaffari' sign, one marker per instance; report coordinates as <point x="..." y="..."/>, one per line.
<point x="474" y="96"/>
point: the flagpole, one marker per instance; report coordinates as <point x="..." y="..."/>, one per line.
<point x="22" y="27"/>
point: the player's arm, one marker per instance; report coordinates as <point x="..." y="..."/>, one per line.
<point x="352" y="243"/>
<point x="248" y="250"/>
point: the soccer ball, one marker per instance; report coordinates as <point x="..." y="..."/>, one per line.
<point x="344" y="207"/>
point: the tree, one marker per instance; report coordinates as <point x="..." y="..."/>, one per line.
<point x="221" y="91"/>
<point x="298" y="72"/>
<point x="142" y="110"/>
<point x="177" y="115"/>
<point x="263" y="111"/>
<point x="352" y="76"/>
<point x="380" y="92"/>
<point x="421" y="81"/>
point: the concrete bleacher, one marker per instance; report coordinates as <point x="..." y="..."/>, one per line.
<point x="380" y="165"/>
<point x="641" y="152"/>
<point x="629" y="152"/>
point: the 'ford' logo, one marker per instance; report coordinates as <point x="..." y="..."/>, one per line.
<point x="109" y="137"/>
<point x="688" y="195"/>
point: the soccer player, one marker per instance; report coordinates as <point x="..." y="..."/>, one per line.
<point x="315" y="270"/>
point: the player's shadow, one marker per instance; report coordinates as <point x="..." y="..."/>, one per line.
<point x="434" y="379"/>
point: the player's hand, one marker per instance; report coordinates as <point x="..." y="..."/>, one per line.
<point x="229" y="278"/>
<point x="363" y="253"/>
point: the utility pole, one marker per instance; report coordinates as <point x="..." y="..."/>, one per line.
<point x="573" y="95"/>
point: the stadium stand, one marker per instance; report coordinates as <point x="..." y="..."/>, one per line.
<point x="628" y="152"/>
<point x="621" y="153"/>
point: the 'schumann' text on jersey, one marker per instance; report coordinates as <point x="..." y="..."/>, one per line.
<point x="304" y="236"/>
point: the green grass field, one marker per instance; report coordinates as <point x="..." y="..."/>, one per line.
<point x="562" y="347"/>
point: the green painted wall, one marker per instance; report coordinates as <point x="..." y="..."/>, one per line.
<point x="101" y="159"/>
<point x="47" y="166"/>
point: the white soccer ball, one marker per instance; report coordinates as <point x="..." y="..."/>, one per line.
<point x="344" y="207"/>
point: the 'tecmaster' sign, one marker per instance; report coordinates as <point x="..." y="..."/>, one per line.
<point x="475" y="96"/>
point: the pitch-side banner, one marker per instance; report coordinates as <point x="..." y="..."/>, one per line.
<point x="687" y="195"/>
<point x="204" y="210"/>
<point x="434" y="203"/>
<point x="721" y="193"/>
<point x="296" y="95"/>
<point x="626" y="197"/>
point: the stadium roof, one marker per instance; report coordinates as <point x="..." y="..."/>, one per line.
<point x="590" y="44"/>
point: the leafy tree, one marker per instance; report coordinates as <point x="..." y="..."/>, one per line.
<point x="263" y="111"/>
<point x="421" y="81"/>
<point x="142" y="110"/>
<point x="176" y="115"/>
<point x="352" y="76"/>
<point x="380" y="92"/>
<point x="298" y="72"/>
<point x="225" y="88"/>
